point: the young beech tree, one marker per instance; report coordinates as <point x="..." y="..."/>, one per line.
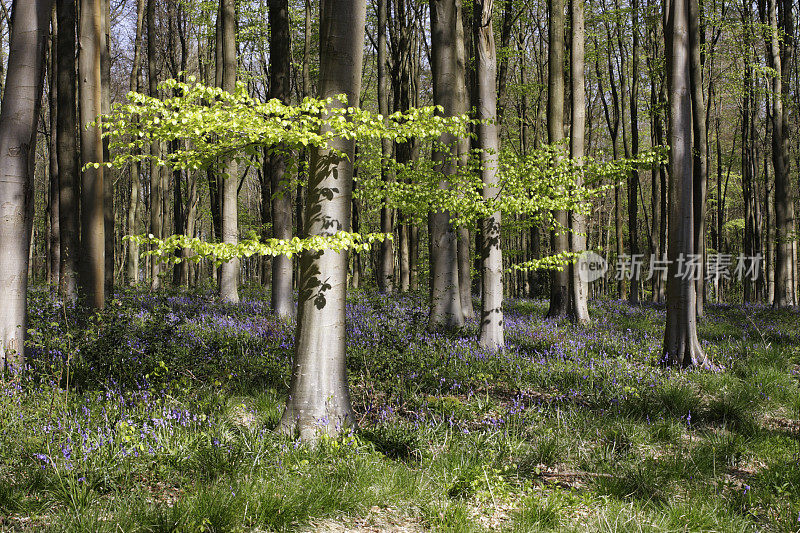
<point x="215" y="123"/>
<point x="19" y="117"/>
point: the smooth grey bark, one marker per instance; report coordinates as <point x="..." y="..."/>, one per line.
<point x="784" y="192"/>
<point x="385" y="270"/>
<point x="54" y="237"/>
<point x="319" y="397"/>
<point x="91" y="285"/>
<point x="700" y="143"/>
<point x="229" y="271"/>
<point x="156" y="191"/>
<point x="681" y="345"/>
<point x="19" y="117"/>
<point x="633" y="178"/>
<point x="579" y="289"/>
<point x="491" y="334"/>
<point x="445" y="308"/>
<point x="108" y="181"/>
<point x="67" y="149"/>
<point x="463" y="143"/>
<point x="132" y="259"/>
<point x="559" y="286"/>
<point x="282" y="304"/>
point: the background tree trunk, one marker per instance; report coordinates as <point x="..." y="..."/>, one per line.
<point x="92" y="258"/>
<point x="579" y="288"/>
<point x="229" y="272"/>
<point x="133" y="203"/>
<point x="282" y="304"/>
<point x="67" y="149"/>
<point x="491" y="334"/>
<point x="445" y="296"/>
<point x="385" y="271"/>
<point x="156" y="192"/>
<point x="559" y="287"/>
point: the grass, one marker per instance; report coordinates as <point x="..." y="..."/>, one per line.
<point x="167" y="423"/>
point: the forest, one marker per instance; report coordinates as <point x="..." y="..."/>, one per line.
<point x="399" y="265"/>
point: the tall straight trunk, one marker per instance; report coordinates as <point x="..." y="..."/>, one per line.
<point x="784" y="196"/>
<point x="579" y="288"/>
<point x="67" y="149"/>
<point x="19" y="117"/>
<point x="282" y="304"/>
<point x="463" y="108"/>
<point x="700" y="142"/>
<point x="491" y="334"/>
<point x="445" y="296"/>
<point x="156" y="191"/>
<point x="559" y="287"/>
<point x="54" y="238"/>
<point x="92" y="258"/>
<point x="108" y="182"/>
<point x="633" y="178"/>
<point x="132" y="260"/>
<point x="385" y="271"/>
<point x="229" y="272"/>
<point x="681" y="345"/>
<point x="319" y="398"/>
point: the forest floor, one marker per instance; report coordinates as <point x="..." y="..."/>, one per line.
<point x="166" y="423"/>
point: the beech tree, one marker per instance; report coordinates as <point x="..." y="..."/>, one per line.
<point x="681" y="345"/>
<point x="282" y="304"/>
<point x="491" y="319"/>
<point x="445" y="303"/>
<point x="226" y="46"/>
<point x="92" y="257"/>
<point x="559" y="284"/>
<point x="319" y="397"/>
<point x="19" y="117"/>
<point x="579" y="288"/>
<point x="67" y="148"/>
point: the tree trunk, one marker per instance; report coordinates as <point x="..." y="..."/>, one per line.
<point x="133" y="203"/>
<point x="700" y="142"/>
<point x="385" y="271"/>
<point x="319" y="398"/>
<point x="108" y="181"/>
<point x="559" y="288"/>
<point x="282" y="304"/>
<point x="784" y="195"/>
<point x="92" y="257"/>
<point x="54" y="238"/>
<point x="67" y="149"/>
<point x="463" y="108"/>
<point x="229" y="272"/>
<point x="156" y="192"/>
<point x="445" y="296"/>
<point x="19" y="117"/>
<point x="681" y="345"/>
<point x="491" y="327"/>
<point x="633" y="178"/>
<point x="579" y="288"/>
